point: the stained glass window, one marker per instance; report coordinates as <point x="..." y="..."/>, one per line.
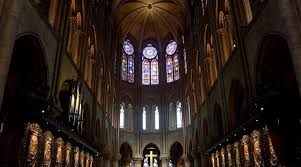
<point x="184" y="55"/>
<point x="155" y="72"/>
<point x="169" y="69"/>
<point x="156" y="118"/>
<point x="176" y="65"/>
<point x="150" y="52"/>
<point x="146" y="72"/>
<point x="131" y="69"/>
<point x="172" y="62"/>
<point x="179" y="115"/>
<point x="171" y="48"/>
<point x="124" y="68"/>
<point x="128" y="63"/>
<point x="128" y="47"/>
<point x="150" y="66"/>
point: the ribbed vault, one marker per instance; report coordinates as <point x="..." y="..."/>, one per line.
<point x="149" y="19"/>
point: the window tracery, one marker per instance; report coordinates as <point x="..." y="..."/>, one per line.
<point x="150" y="66"/>
<point x="128" y="62"/>
<point x="172" y="62"/>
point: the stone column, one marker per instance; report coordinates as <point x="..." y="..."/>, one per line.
<point x="165" y="161"/>
<point x="99" y="161"/>
<point x="8" y="30"/>
<point x="138" y="161"/>
<point x="186" y="160"/>
<point x="195" y="159"/>
<point x="291" y="24"/>
<point x="115" y="160"/>
<point x="107" y="160"/>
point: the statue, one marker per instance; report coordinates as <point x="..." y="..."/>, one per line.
<point x="145" y="162"/>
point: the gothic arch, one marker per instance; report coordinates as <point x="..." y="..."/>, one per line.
<point x="236" y="99"/>
<point x="176" y="152"/>
<point x="126" y="152"/>
<point x="278" y="92"/>
<point x="218" y="129"/>
<point x="25" y="95"/>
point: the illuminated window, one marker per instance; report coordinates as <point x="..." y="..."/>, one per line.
<point x="157" y="122"/>
<point x="128" y="63"/>
<point x="150" y="66"/>
<point x="172" y="62"/>
<point x="121" y="116"/>
<point x="144" y="119"/>
<point x="179" y="115"/>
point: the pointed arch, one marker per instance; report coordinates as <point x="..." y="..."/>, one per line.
<point x="154" y="72"/>
<point x="146" y="72"/>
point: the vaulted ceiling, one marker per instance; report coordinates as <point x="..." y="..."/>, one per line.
<point x="150" y="19"/>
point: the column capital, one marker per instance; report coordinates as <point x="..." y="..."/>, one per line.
<point x="164" y="158"/>
<point x="185" y="157"/>
<point x="140" y="158"/>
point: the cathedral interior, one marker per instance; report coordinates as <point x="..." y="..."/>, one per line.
<point x="150" y="83"/>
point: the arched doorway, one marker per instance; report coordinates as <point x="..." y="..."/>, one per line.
<point x="25" y="96"/>
<point x="151" y="156"/>
<point x="278" y="94"/>
<point x="176" y="152"/>
<point x="126" y="155"/>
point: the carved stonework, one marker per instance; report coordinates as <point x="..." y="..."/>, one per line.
<point x="32" y="145"/>
<point x="246" y="150"/>
<point x="87" y="159"/>
<point x="217" y="159"/>
<point x="47" y="149"/>
<point x="229" y="155"/>
<point x="59" y="152"/>
<point x="68" y="155"/>
<point x="272" y="153"/>
<point x="257" y="148"/>
<point x="237" y="153"/>
<point x="213" y="159"/>
<point x="76" y="156"/>
<point x="91" y="161"/>
<point x="82" y="159"/>
<point x="223" y="157"/>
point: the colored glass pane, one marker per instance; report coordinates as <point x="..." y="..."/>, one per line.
<point x="128" y="47"/>
<point x="145" y="72"/>
<point x="124" y="68"/>
<point x="150" y="52"/>
<point x="131" y="69"/>
<point x="171" y="48"/>
<point x="154" y="72"/>
<point x="176" y="65"/>
<point x="169" y="69"/>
